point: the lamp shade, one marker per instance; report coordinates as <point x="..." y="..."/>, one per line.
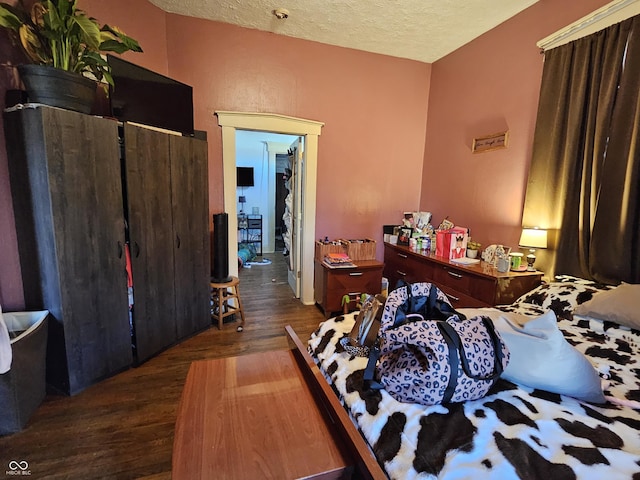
<point x="533" y="238"/>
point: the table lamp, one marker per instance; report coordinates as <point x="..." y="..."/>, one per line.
<point x="533" y="238"/>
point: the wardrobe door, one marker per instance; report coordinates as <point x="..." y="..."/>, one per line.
<point x="189" y="194"/>
<point x="148" y="192"/>
<point x="71" y="236"/>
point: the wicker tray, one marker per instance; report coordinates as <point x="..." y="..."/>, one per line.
<point x="364" y="249"/>
<point x="323" y="249"/>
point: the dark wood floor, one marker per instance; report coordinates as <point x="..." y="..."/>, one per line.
<point x="123" y="427"/>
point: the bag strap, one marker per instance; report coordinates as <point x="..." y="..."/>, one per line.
<point x="455" y="338"/>
<point x="497" y="345"/>
<point x="453" y="346"/>
<point x="447" y="310"/>
<point x="433" y="309"/>
<point x="369" y="371"/>
<point x="439" y="309"/>
<point x="413" y="301"/>
<point x="399" y="319"/>
<point x="433" y="298"/>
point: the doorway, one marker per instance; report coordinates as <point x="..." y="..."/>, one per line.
<point x="310" y="130"/>
<point x="258" y="152"/>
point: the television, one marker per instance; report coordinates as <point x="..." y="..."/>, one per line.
<point x="244" y="176"/>
<point x="143" y="96"/>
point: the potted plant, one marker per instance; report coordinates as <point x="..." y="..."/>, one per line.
<point x="65" y="47"/>
<point x="473" y="248"/>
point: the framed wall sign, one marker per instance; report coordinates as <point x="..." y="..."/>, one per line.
<point x="490" y="142"/>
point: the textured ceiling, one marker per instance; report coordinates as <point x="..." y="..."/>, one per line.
<point x="423" y="30"/>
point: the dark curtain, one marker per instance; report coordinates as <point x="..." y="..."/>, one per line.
<point x="583" y="182"/>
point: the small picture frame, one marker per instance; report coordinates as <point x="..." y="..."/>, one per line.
<point x="490" y="142"/>
<point x="404" y="234"/>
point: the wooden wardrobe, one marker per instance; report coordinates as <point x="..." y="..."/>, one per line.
<point x="83" y="188"/>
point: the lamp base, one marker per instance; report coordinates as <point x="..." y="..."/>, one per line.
<point x="531" y="259"/>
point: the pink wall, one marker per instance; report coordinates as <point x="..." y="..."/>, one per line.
<point x="139" y="19"/>
<point x="374" y="109"/>
<point x="488" y="86"/>
<point x="11" y="297"/>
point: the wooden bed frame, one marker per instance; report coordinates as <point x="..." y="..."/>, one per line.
<point x="366" y="465"/>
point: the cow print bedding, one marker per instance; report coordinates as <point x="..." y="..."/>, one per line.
<point x="515" y="431"/>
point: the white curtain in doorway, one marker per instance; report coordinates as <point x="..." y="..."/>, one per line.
<point x="288" y="208"/>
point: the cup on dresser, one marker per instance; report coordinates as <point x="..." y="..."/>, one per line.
<point x="515" y="260"/>
<point x="503" y="264"/>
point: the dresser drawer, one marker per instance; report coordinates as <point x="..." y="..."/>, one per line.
<point x="466" y="283"/>
<point x="331" y="284"/>
<point x="353" y="281"/>
<point x="446" y="276"/>
<point x="484" y="289"/>
<point x="462" y="300"/>
<point x="404" y="266"/>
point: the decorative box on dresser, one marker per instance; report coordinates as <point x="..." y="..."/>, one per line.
<point x="478" y="285"/>
<point x="331" y="284"/>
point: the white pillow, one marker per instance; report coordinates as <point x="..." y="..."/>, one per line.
<point x="6" y="354"/>
<point x="620" y="305"/>
<point x="542" y="358"/>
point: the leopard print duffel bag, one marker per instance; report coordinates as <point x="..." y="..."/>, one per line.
<point x="431" y="361"/>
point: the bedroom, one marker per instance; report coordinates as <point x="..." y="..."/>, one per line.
<point x="398" y="101"/>
<point x="417" y="115"/>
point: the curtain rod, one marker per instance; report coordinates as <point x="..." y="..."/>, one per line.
<point x="605" y="16"/>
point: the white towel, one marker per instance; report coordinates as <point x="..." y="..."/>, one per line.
<point x="6" y="353"/>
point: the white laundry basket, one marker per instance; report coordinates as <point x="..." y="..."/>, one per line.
<point x="23" y="387"/>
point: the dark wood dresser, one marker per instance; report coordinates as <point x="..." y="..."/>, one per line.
<point x="478" y="285"/>
<point x="331" y="284"/>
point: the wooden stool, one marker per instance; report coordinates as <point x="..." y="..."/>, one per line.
<point x="350" y="301"/>
<point x="221" y="293"/>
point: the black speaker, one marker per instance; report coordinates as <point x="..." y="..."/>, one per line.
<point x="221" y="248"/>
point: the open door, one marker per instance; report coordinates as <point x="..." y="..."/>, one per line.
<point x="270" y="122"/>
<point x="293" y="215"/>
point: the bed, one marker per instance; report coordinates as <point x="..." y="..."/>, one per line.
<point x="516" y="431"/>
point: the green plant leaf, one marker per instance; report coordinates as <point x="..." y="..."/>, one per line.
<point x="59" y="34"/>
<point x="90" y="30"/>
<point x="11" y="18"/>
<point x="114" y="34"/>
<point x="53" y="20"/>
<point x="113" y="46"/>
<point x="106" y="76"/>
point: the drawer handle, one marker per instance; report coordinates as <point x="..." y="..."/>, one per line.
<point x="355" y="274"/>
<point x="452" y="297"/>
<point x="454" y="274"/>
<point x="401" y="273"/>
<point x="402" y="255"/>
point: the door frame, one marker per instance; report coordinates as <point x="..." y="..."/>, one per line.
<point x="271" y="122"/>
